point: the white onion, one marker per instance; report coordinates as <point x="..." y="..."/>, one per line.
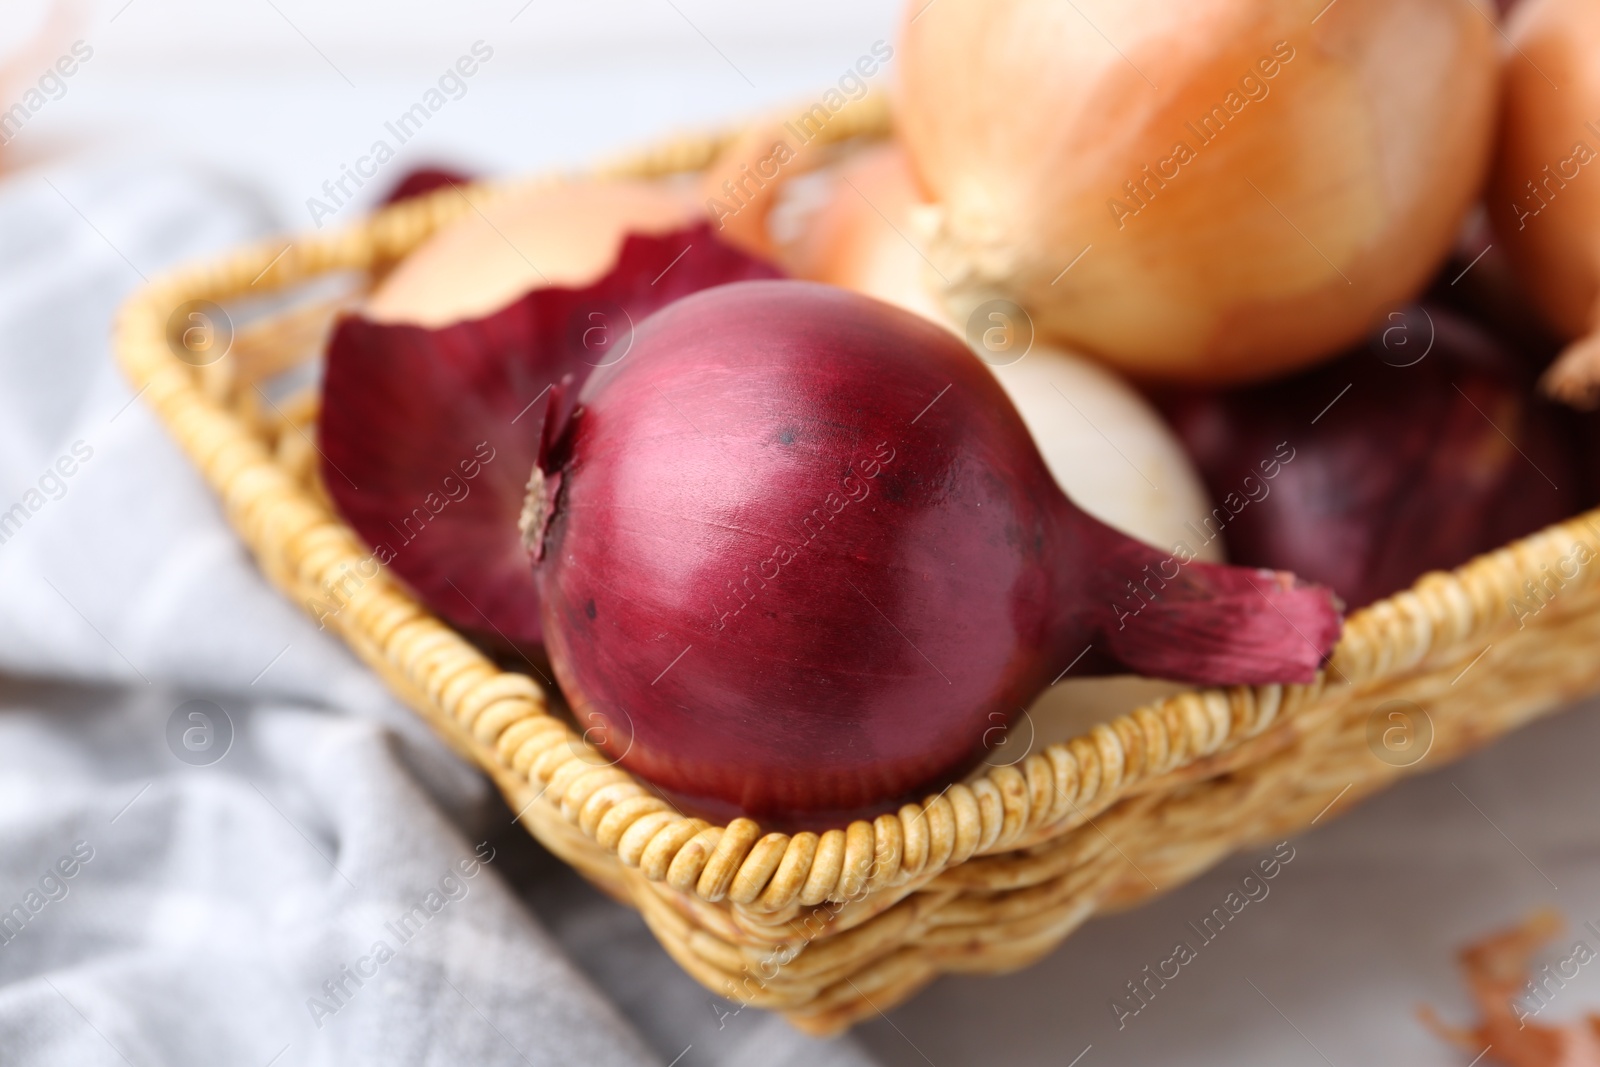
<point x="1108" y="448"/>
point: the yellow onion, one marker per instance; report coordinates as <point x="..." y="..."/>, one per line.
<point x="562" y="235"/>
<point x="743" y="183"/>
<point x="1544" y="195"/>
<point x="1211" y="191"/>
<point x="863" y="235"/>
<point x="1109" y="449"/>
<point x="751" y="176"/>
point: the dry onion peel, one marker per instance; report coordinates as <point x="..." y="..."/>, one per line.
<point x="428" y="435"/>
<point x="1498" y="970"/>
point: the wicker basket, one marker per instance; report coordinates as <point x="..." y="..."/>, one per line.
<point x="989" y="875"/>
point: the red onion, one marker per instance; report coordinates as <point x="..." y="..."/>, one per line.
<point x="423" y="180"/>
<point x="1480" y="283"/>
<point x="1413" y="454"/>
<point x="798" y="553"/>
<point x="428" y="436"/>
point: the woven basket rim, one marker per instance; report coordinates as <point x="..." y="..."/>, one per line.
<point x="502" y="721"/>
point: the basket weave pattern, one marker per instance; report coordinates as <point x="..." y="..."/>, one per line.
<point x="987" y="876"/>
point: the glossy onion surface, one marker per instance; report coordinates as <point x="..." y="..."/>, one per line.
<point x="800" y="561"/>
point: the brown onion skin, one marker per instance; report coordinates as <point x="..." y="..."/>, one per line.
<point x="1545" y="205"/>
<point x="1313" y="210"/>
<point x="860" y="238"/>
<point x="935" y="579"/>
<point x="1403" y="474"/>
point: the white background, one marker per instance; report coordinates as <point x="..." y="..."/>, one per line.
<point x="235" y="84"/>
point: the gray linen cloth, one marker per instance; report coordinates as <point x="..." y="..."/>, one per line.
<point x="221" y="841"/>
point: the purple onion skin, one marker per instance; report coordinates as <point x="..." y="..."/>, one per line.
<point x="427" y="435"/>
<point x="803" y="561"/>
<point x="1479" y="284"/>
<point x="420" y="181"/>
<point x="1412" y="469"/>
